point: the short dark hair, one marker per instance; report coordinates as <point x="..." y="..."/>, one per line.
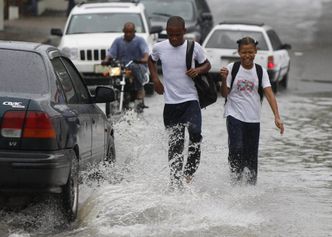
<point x="245" y="41"/>
<point x="129" y="24"/>
<point x="175" y="20"/>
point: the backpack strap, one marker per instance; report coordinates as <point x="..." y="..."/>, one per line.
<point x="259" y="71"/>
<point x="235" y="69"/>
<point x="189" y="53"/>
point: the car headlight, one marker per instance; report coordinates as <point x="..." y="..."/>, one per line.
<point x="71" y="53"/>
<point x="195" y="36"/>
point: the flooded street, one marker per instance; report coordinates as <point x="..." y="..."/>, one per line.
<point x="292" y="197"/>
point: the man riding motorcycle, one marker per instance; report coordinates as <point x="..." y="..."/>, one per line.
<point x="131" y="47"/>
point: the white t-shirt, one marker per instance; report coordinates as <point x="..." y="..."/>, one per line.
<point x="178" y="86"/>
<point x="243" y="101"/>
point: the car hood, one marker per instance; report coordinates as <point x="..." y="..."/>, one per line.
<point x="100" y="40"/>
<point x="156" y="21"/>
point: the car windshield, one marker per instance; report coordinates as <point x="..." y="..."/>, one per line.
<point x="165" y="9"/>
<point x="22" y="72"/>
<point x="103" y="23"/>
<point x="226" y="39"/>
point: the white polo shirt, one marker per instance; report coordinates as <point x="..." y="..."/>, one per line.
<point x="178" y="86"/>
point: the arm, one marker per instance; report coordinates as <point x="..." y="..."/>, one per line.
<point x="107" y="61"/>
<point x="158" y="86"/>
<point x="224" y="90"/>
<point x="143" y="60"/>
<point x="203" y="68"/>
<point x="274" y="106"/>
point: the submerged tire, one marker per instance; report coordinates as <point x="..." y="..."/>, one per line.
<point x="284" y="82"/>
<point x="70" y="192"/>
<point x="274" y="86"/>
<point x="111" y="155"/>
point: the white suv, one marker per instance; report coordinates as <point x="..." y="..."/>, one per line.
<point x="91" y="29"/>
<point x="221" y="48"/>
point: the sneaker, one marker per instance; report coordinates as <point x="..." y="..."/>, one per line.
<point x="175" y="185"/>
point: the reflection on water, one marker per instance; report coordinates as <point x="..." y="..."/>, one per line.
<point x="292" y="197"/>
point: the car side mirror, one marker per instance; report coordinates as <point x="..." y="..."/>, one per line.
<point x="206" y="16"/>
<point x="286" y="46"/>
<point x="156" y="29"/>
<point x="104" y="94"/>
<point x="56" y="31"/>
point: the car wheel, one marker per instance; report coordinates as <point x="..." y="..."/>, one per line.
<point x="70" y="192"/>
<point x="110" y="156"/>
<point x="284" y="81"/>
<point x="274" y="86"/>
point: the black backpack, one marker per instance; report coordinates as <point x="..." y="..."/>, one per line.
<point x="205" y="85"/>
<point x="259" y="71"/>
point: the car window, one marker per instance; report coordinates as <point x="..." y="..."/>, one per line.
<point x="226" y="39"/>
<point x="274" y="38"/>
<point x="202" y="6"/>
<point x="22" y="72"/>
<point x="81" y="90"/>
<point x="103" y="23"/>
<point x="65" y="81"/>
<point x="164" y="9"/>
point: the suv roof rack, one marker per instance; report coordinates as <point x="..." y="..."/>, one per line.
<point x="242" y="23"/>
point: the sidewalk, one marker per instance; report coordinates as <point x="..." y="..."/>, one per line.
<point x="33" y="29"/>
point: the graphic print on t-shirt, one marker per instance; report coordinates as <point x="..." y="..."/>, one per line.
<point x="245" y="85"/>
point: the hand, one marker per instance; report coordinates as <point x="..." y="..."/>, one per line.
<point x="158" y="87"/>
<point x="278" y="122"/>
<point x="137" y="61"/>
<point x="192" y="72"/>
<point x="105" y="62"/>
<point x="223" y="72"/>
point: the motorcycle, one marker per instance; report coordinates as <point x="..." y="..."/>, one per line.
<point x="122" y="80"/>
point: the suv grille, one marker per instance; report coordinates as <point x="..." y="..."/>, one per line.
<point x="92" y="54"/>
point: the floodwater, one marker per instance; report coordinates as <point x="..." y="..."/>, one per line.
<point x="292" y="196"/>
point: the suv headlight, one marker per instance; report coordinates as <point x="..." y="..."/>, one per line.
<point x="71" y="53"/>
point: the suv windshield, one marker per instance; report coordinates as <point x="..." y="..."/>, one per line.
<point x="226" y="39"/>
<point x="22" y="72"/>
<point x="164" y="9"/>
<point x="103" y="23"/>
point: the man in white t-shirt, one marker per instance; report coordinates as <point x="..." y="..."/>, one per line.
<point x="181" y="108"/>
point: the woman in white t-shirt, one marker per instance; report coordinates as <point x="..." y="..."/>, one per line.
<point x="243" y="111"/>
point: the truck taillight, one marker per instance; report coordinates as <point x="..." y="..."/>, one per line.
<point x="12" y="124"/>
<point x="28" y="125"/>
<point x="270" y="63"/>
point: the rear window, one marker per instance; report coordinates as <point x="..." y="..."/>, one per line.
<point x="103" y="23"/>
<point x="22" y="72"/>
<point x="162" y="10"/>
<point x="226" y="39"/>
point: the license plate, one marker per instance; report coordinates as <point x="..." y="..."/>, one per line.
<point x="111" y="71"/>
